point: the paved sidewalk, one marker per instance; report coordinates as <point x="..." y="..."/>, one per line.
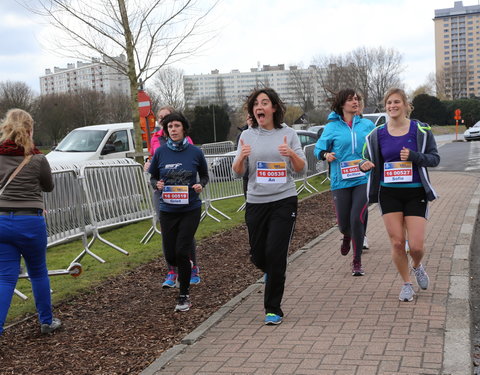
<point x="338" y="324"/>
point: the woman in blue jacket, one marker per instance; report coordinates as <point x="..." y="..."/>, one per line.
<point x="398" y="154"/>
<point x="341" y="144"/>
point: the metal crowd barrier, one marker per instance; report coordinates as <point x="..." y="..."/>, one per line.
<point x="315" y="167"/>
<point x="217" y="148"/>
<point x="222" y="185"/>
<point x="117" y="193"/>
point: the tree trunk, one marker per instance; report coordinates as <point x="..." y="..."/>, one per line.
<point x="132" y="77"/>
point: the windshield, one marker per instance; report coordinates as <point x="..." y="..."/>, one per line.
<point x="81" y="141"/>
<point x="372" y="118"/>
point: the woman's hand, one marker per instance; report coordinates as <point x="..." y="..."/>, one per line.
<point x="330" y="156"/>
<point x="160" y="184"/>
<point x="198" y="188"/>
<point x="366" y="166"/>
<point x="284" y="149"/>
<point x="404" y="154"/>
<point x="246" y="150"/>
<point x="146" y="166"/>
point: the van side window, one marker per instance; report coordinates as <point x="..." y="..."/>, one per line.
<point x="382" y="120"/>
<point x="119" y="140"/>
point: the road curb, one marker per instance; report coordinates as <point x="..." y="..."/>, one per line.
<point x="457" y="357"/>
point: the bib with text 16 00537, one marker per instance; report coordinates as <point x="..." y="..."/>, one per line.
<point x="350" y="169"/>
<point x="398" y="171"/>
<point x="175" y="194"/>
<point x="271" y="172"/>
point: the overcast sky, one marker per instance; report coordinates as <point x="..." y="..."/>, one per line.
<point x="267" y="32"/>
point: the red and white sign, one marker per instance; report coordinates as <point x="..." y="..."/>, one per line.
<point x="144" y="103"/>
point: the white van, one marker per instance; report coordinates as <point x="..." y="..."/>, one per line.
<point x="95" y="142"/>
<point x="377" y="118"/>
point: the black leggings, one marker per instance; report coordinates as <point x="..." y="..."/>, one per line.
<point x="178" y="231"/>
<point x="270" y="228"/>
<point x="157" y="194"/>
<point x="351" y="207"/>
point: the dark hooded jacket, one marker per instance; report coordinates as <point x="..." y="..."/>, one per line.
<point x="427" y="156"/>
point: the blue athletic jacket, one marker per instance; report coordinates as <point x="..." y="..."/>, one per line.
<point x="347" y="144"/>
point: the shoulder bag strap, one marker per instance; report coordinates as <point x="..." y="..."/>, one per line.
<point x="15" y="172"/>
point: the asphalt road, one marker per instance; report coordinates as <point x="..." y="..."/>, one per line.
<point x="459" y="156"/>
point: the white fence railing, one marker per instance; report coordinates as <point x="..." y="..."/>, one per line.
<point x="99" y="195"/>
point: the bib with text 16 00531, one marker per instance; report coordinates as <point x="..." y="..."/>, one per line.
<point x="398" y="171"/>
<point x="271" y="172"/>
<point x="175" y="194"/>
<point x="350" y="169"/>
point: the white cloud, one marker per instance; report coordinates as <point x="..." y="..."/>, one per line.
<point x="269" y="32"/>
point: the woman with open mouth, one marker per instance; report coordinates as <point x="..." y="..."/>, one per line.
<point x="271" y="151"/>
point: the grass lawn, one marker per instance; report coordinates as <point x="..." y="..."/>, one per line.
<point x="447" y="129"/>
<point x="127" y="237"/>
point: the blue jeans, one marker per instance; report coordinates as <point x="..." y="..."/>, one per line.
<point x="24" y="236"/>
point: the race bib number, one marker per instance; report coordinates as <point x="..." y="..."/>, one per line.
<point x="271" y="172"/>
<point x="350" y="169"/>
<point x="175" y="194"/>
<point x="398" y="171"/>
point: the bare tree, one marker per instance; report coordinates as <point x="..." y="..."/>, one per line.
<point x="455" y="79"/>
<point x="371" y="71"/>
<point x="55" y="115"/>
<point x="92" y="105"/>
<point x="302" y="84"/>
<point x="332" y="74"/>
<point x="118" y="108"/>
<point x="151" y="33"/>
<point x="220" y="98"/>
<point x="15" y="95"/>
<point x="386" y="67"/>
<point x="168" y="84"/>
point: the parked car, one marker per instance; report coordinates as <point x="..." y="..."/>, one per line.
<point x="95" y="142"/>
<point x="221" y="167"/>
<point x="472" y="133"/>
<point x="377" y="118"/>
<point x="307" y="137"/>
<point x="317" y="129"/>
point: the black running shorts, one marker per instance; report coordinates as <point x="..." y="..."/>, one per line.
<point x="410" y="201"/>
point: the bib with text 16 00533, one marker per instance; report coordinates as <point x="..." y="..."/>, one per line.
<point x="398" y="171"/>
<point x="350" y="169"/>
<point x="271" y="172"/>
<point x="175" y="194"/>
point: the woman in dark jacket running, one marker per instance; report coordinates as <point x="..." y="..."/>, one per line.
<point x="174" y="171"/>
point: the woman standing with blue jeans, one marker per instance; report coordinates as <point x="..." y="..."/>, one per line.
<point x="22" y="225"/>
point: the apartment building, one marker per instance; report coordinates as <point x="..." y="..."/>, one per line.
<point x="457" y="50"/>
<point x="94" y="75"/>
<point x="293" y="85"/>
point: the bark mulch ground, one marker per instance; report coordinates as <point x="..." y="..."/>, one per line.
<point x="124" y="324"/>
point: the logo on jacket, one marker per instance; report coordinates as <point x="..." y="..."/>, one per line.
<point x="172" y="166"/>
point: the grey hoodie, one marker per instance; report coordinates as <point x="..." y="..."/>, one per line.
<point x="264" y="145"/>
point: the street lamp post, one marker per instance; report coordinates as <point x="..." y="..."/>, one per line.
<point x="214" y="129"/>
